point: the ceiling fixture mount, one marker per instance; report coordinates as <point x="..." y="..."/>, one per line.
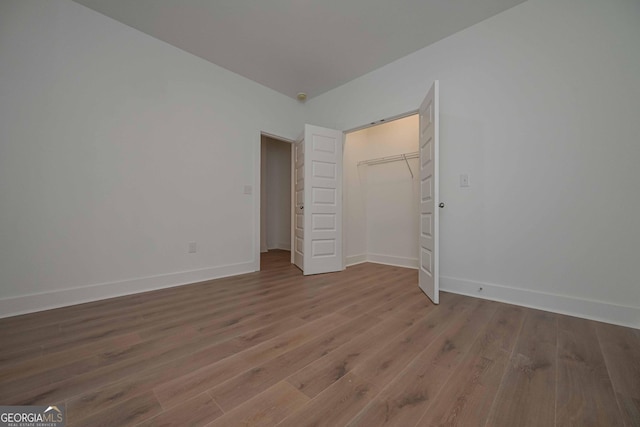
<point x="301" y="96"/>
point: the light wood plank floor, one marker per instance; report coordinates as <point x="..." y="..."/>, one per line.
<point x="363" y="347"/>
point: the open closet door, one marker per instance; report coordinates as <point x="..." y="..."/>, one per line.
<point x="428" y="276"/>
<point x="319" y="217"/>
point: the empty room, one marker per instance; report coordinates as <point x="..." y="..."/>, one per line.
<point x="319" y="213"/>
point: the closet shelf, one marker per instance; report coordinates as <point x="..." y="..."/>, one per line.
<point x="388" y="159"/>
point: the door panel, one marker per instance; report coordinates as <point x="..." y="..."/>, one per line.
<point x="428" y="276"/>
<point x="322" y="209"/>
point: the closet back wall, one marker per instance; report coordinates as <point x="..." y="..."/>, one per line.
<point x="381" y="200"/>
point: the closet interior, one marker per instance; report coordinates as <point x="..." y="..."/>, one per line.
<point x="381" y="193"/>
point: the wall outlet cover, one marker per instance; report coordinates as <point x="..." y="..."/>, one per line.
<point x="464" y="180"/>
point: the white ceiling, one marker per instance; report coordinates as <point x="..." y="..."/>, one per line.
<point x="296" y="46"/>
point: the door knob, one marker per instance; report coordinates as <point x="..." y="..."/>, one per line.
<point x="301" y="207"/>
<point x="441" y="204"/>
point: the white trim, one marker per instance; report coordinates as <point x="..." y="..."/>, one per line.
<point x="23" y="304"/>
<point x="393" y="260"/>
<point x="382" y="259"/>
<point x="279" y="138"/>
<point x="382" y="121"/>
<point x="285" y="246"/>
<point x="572" y="306"/>
<point x="257" y="194"/>
<point x="356" y="259"/>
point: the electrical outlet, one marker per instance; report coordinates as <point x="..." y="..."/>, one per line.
<point x="464" y="180"/>
<point x="193" y="247"/>
<point x="248" y="189"/>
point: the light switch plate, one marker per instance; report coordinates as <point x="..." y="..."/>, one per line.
<point x="464" y="180"/>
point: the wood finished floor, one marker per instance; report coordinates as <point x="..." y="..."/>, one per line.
<point x="363" y="347"/>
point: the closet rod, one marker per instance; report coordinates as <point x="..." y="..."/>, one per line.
<point x="388" y="159"/>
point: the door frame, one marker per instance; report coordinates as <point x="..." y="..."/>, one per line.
<point x="344" y="176"/>
<point x="257" y="198"/>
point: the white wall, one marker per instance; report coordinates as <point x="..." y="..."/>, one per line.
<point x="278" y="191"/>
<point x="539" y="106"/>
<point x="381" y="200"/>
<point x="116" y="151"/>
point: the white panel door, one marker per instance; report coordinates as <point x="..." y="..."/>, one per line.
<point x="297" y="237"/>
<point x="428" y="276"/>
<point x="322" y="188"/>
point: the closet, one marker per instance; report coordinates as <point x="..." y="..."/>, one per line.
<point x="381" y="193"/>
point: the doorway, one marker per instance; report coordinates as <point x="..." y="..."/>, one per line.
<point x="381" y="186"/>
<point x="275" y="194"/>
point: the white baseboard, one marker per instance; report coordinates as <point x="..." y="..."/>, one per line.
<point x="281" y="246"/>
<point x="572" y="306"/>
<point x="14" y="306"/>
<point x="285" y="246"/>
<point x="382" y="259"/>
<point x="356" y="259"/>
<point x="393" y="260"/>
<point x="588" y="309"/>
